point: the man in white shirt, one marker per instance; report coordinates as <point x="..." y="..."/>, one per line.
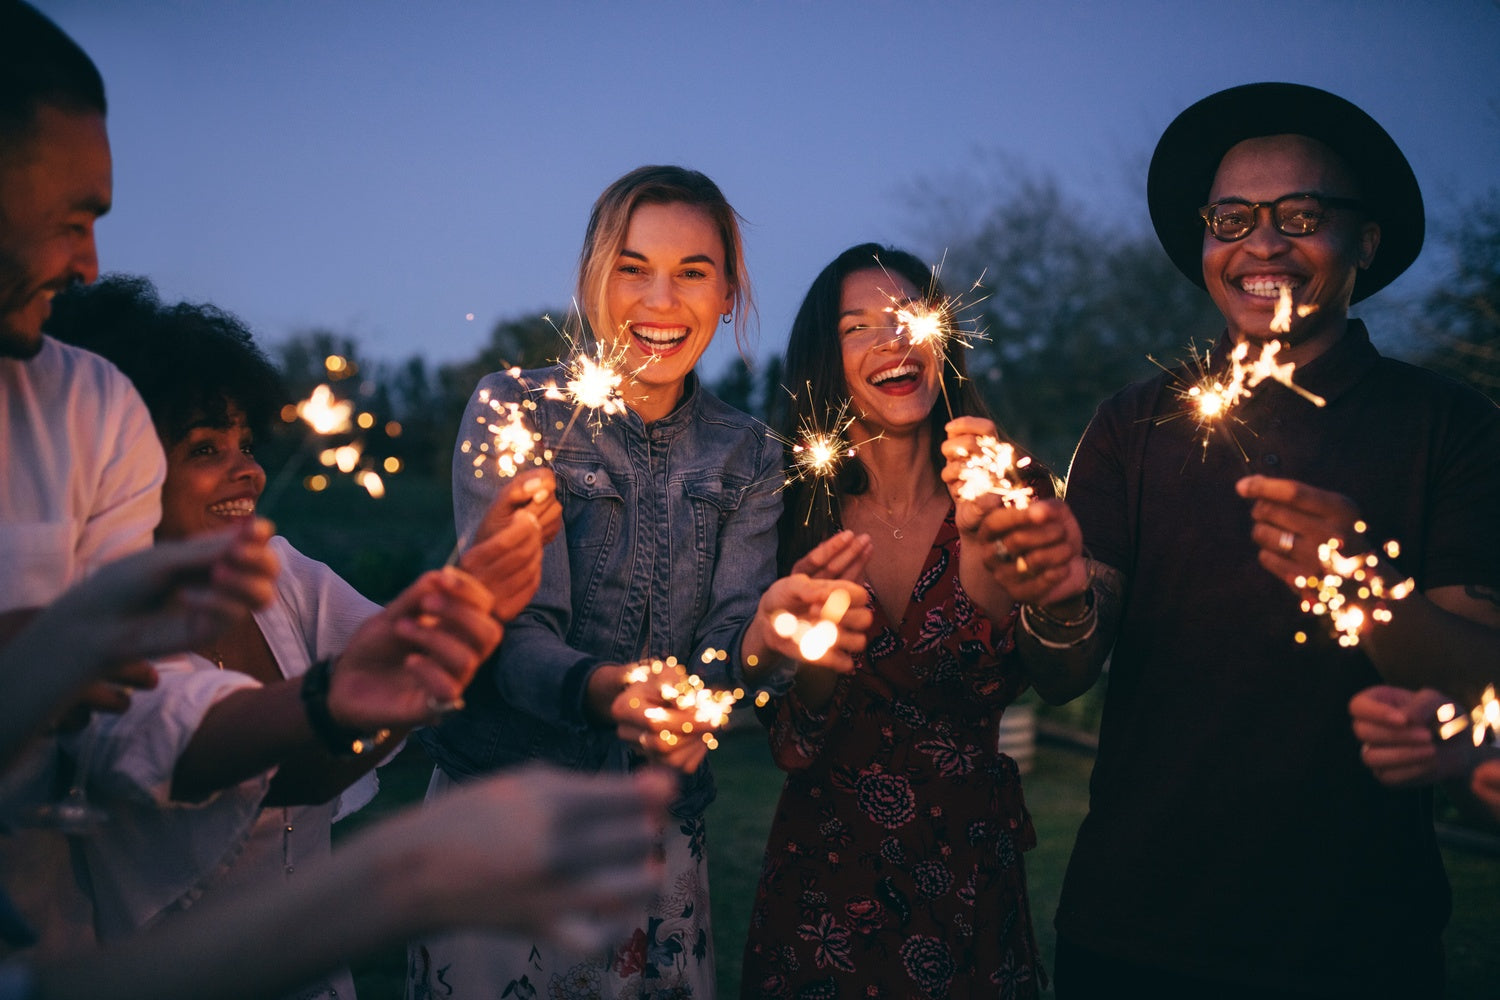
<point x="80" y="464"/>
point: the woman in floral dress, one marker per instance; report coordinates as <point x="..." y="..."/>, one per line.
<point x="894" y="866"/>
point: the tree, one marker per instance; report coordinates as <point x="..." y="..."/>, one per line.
<point x="1460" y="318"/>
<point x="1073" y="309"/>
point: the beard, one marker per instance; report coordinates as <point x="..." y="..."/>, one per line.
<point x="17" y="289"/>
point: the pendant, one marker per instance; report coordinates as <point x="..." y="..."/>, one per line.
<point x="896" y="534"/>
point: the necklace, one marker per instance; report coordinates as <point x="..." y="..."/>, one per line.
<point x="896" y="529"/>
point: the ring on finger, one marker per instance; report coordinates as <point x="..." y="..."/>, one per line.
<point x="1021" y="565"/>
<point x="1002" y="552"/>
<point x="1286" y="541"/>
<point x="438" y="707"/>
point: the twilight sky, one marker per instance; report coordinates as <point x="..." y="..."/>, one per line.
<point x="386" y="168"/>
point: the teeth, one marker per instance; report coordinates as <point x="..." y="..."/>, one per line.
<point x="1269" y="288"/>
<point x="880" y="378"/>
<point x="660" y="336"/>
<point x="233" y="508"/>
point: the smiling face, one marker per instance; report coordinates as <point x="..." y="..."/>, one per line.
<point x="52" y="190"/>
<point x="893" y="385"/>
<point x="1245" y="277"/>
<point x="213" y="480"/>
<point x="663" y="299"/>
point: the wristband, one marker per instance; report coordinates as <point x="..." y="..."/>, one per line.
<point x="341" y="741"/>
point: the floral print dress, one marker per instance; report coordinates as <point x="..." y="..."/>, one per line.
<point x="894" y="867"/>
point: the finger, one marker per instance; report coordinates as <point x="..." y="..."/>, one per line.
<point x="102" y="696"/>
<point x="132" y="673"/>
<point x="458" y="634"/>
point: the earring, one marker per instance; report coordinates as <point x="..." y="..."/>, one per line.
<point x="727" y="317"/>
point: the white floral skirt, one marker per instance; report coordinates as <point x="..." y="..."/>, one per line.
<point x="669" y="954"/>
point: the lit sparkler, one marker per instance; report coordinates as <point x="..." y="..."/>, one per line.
<point x="819" y="450"/>
<point x="685" y="692"/>
<point x="938" y="324"/>
<point x="592" y="382"/>
<point x="1351" y="592"/>
<point x="1212" y="396"/>
<point x="814" y="638"/>
<point x="326" y="415"/>
<point x="511" y="442"/>
<point x="1481" y="722"/>
<point x="991" y="470"/>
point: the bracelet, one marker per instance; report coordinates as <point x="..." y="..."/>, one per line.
<point x="341" y="741"/>
<point x="1090" y="608"/>
<point x="1049" y="643"/>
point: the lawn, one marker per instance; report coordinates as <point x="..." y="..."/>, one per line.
<point x="1056" y="792"/>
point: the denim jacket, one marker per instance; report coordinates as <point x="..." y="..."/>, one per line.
<point x="668" y="543"/>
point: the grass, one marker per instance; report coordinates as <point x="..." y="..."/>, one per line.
<point x="1057" y="795"/>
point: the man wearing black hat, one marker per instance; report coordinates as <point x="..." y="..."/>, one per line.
<point x="1234" y="845"/>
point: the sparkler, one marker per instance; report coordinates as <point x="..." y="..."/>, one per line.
<point x="814" y="638"/>
<point x="1482" y="721"/>
<point x="938" y="324"/>
<point x="685" y="692"/>
<point x="991" y="471"/>
<point x="592" y="382"/>
<point x="819" y="450"/>
<point x="1212" y="396"/>
<point x="511" y="442"/>
<point x="1351" y="591"/>
<point x="326" y="415"/>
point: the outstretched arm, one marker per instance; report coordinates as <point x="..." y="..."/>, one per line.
<point x="402" y="665"/>
<point x="162" y="600"/>
<point x="537" y="851"/>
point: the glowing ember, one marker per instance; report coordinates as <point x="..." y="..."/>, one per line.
<point x="991" y="472"/>
<point x="325" y="413"/>
<point x="814" y="638"/>
<point x="923" y="324"/>
<point x="1351" y="591"/>
<point x="1482" y="722"/>
<point x="511" y="443"/>
<point x="1213" y="396"/>
<point x="686" y="692"/>
<point x="593" y="382"/>
<point x="819" y="451"/>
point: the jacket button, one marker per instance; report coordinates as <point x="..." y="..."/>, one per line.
<point x="589" y="478"/>
<point x="1272" y="460"/>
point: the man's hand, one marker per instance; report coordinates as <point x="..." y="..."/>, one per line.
<point x="1398" y="739"/>
<point x="1292" y="519"/>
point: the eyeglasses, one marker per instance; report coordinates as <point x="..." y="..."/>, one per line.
<point x="1293" y="215"/>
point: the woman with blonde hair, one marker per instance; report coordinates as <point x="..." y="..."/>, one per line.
<point x="667" y="548"/>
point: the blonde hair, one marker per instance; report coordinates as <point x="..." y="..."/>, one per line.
<point x="609" y="224"/>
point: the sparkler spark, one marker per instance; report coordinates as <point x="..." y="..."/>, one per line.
<point x="592" y="382"/>
<point x="686" y="692"/>
<point x="818" y="451"/>
<point x="325" y="413"/>
<point x="814" y="638"/>
<point x="991" y="471"/>
<point x="327" y="416"/>
<point x="1213" y="396"/>
<point x="1481" y="722"/>
<point x="1351" y="591"/>
<point x="938" y="323"/>
<point x="511" y="442"/>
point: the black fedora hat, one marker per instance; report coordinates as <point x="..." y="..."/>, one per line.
<point x="1188" y="155"/>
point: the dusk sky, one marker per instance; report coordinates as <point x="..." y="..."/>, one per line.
<point x="384" y="169"/>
